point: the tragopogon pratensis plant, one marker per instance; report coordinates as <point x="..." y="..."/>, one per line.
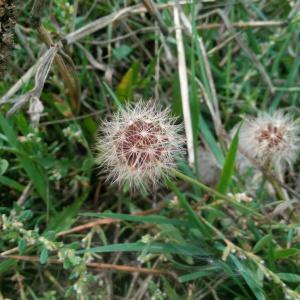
<point x="139" y="144"/>
<point x="271" y="139"/>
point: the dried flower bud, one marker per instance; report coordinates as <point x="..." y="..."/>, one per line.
<point x="139" y="145"/>
<point x="271" y="138"/>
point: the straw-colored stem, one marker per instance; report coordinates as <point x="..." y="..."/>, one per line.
<point x="184" y="89"/>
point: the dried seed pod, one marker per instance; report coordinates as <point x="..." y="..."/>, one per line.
<point x="139" y="145"/>
<point x="271" y="138"/>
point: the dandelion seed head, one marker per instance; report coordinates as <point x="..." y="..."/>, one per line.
<point x="139" y="144"/>
<point x="271" y="137"/>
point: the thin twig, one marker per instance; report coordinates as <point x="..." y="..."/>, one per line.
<point x="10" y="251"/>
<point x="97" y="266"/>
<point x="107" y="221"/>
<point x="66" y="120"/>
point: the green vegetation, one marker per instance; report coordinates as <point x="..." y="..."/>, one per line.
<point x="66" y="232"/>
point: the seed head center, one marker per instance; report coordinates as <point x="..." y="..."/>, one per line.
<point x="272" y="136"/>
<point x="141" y="145"/>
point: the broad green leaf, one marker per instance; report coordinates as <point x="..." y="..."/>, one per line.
<point x="44" y="256"/>
<point x="122" y="52"/>
<point x="90" y="125"/>
<point x="22" y="245"/>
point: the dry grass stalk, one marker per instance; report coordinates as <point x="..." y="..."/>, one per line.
<point x="40" y="78"/>
<point x="98" y="266"/>
<point x="215" y="112"/>
<point x="184" y="88"/>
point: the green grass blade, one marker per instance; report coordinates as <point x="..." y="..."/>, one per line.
<point x="154" y="219"/>
<point x="265" y="240"/>
<point x="250" y="279"/>
<point x="112" y="94"/>
<point x="66" y="218"/>
<point x="193" y="276"/>
<point x="228" y="167"/>
<point x="213" y="145"/>
<point x="11" y="183"/>
<point x="7" y="265"/>
<point x="289" y="277"/>
<point x="192" y="216"/>
<point x="139" y="247"/>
